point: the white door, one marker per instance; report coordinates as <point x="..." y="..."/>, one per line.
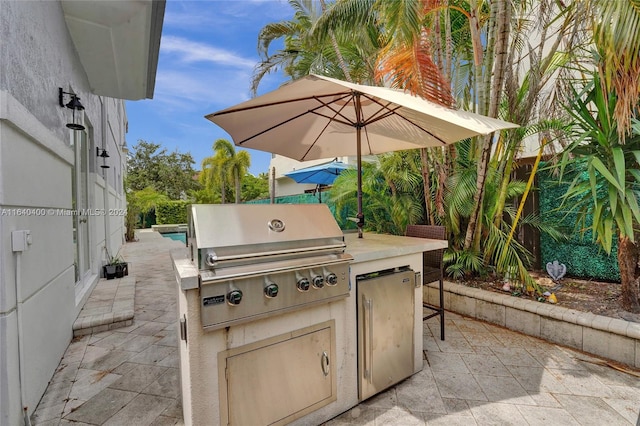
<point x="80" y="206"/>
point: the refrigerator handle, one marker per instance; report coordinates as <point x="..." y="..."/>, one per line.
<point x="368" y="338"/>
<point x="418" y="277"/>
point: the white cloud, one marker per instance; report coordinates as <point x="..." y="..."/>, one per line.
<point x="192" y="51"/>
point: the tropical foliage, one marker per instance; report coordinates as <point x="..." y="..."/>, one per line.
<point x="223" y="171"/>
<point x="171" y="174"/>
<point x="502" y="58"/>
<point x="610" y="194"/>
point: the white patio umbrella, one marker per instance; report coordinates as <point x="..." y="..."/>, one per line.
<point x="320" y="117"/>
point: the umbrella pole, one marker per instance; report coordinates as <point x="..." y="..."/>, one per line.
<point x="360" y="215"/>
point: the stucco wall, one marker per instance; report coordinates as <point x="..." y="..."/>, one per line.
<point x="37" y="56"/>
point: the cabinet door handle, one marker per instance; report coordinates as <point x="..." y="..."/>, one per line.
<point x="324" y="363"/>
<point x="368" y="337"/>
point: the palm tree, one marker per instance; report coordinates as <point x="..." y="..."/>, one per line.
<point x="226" y="166"/>
<point x="617" y="39"/>
<point x="239" y="166"/>
<point x="610" y="194"/>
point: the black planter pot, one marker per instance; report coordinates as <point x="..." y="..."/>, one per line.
<point x="122" y="269"/>
<point x="109" y="271"/>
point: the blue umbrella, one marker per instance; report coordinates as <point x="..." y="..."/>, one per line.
<point x="321" y="174"/>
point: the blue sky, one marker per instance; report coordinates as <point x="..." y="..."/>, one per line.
<point x="207" y="55"/>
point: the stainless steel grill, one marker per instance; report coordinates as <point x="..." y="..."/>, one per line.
<point x="257" y="260"/>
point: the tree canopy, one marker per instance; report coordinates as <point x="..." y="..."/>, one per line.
<point x="171" y="174"/>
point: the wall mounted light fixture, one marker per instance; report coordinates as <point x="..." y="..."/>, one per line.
<point x="101" y="152"/>
<point x="74" y="105"/>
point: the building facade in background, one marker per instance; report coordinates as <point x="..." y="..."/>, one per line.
<point x="61" y="208"/>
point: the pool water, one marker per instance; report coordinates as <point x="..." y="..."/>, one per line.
<point x="177" y="236"/>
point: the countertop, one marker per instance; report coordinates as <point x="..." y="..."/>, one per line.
<point x="382" y="246"/>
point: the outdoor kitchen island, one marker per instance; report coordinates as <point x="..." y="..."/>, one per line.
<point x="307" y="364"/>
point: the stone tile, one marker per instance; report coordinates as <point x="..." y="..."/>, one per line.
<point x="481" y="339"/>
<point x="398" y="416"/>
<point x="383" y="400"/>
<point x="515" y="356"/>
<point x="72" y="405"/>
<point x="360" y="415"/>
<point x="101" y="407"/>
<point x="167" y="385"/>
<point x="546" y="416"/>
<point x="485" y="364"/>
<point x="456" y="406"/>
<point x="170" y="339"/>
<point x="164" y="421"/>
<point x="556" y="358"/>
<point x="56" y="394"/>
<point x="153" y="354"/>
<point x="588" y="410"/>
<point x="419" y="393"/>
<point x="458" y="385"/>
<point x="174" y="409"/>
<point x="114" y="340"/>
<point x="504" y="389"/>
<point x="496" y="414"/>
<point x="580" y="382"/>
<point x="537" y="379"/>
<point x="629" y="409"/>
<point x="523" y="321"/>
<point x="457" y="346"/>
<point x="149" y="314"/>
<point x="449" y="420"/>
<point x="138" y="378"/>
<point x="137" y="343"/>
<point x="90" y="382"/>
<point x="108" y="361"/>
<point x="48" y="413"/>
<point x="429" y="344"/>
<point x="439" y="361"/>
<point x="544" y="399"/>
<point x="142" y="410"/>
<point x="171" y="360"/>
<point x="470" y="326"/>
<point x="149" y="329"/>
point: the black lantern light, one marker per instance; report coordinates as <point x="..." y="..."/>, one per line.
<point x="74" y="105"/>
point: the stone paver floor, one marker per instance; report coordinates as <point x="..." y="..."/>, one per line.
<point x="481" y="374"/>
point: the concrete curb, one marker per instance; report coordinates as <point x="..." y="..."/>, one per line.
<point x="610" y="338"/>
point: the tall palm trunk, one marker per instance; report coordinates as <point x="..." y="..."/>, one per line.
<point x="502" y="17"/>
<point x="236" y="179"/>
<point x="628" y="258"/>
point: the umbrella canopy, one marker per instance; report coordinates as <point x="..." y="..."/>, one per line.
<point x="320" y="117"/>
<point x="320" y="174"/>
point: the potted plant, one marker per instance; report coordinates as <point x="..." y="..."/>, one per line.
<point x="115" y="267"/>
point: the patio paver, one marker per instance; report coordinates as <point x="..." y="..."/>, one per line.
<point x="481" y="374"/>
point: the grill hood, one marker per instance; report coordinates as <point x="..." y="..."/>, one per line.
<point x="234" y="234"/>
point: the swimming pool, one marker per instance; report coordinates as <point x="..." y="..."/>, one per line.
<point x="177" y="236"/>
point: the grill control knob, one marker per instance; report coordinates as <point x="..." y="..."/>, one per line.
<point x="318" y="281"/>
<point x="271" y="290"/>
<point x="234" y="297"/>
<point x="331" y="279"/>
<point x="303" y="284"/>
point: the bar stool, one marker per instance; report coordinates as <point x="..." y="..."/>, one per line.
<point x="432" y="266"/>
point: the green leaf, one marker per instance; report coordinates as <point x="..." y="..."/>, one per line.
<point x="602" y="169"/>
<point x="632" y="201"/>
<point x="613" y="199"/>
<point x="618" y="161"/>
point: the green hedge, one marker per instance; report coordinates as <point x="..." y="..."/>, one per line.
<point x="171" y="212"/>
<point x="583" y="257"/>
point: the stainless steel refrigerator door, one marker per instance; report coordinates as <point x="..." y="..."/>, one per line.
<point x="385" y="331"/>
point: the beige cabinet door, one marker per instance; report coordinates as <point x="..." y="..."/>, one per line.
<point x="282" y="381"/>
